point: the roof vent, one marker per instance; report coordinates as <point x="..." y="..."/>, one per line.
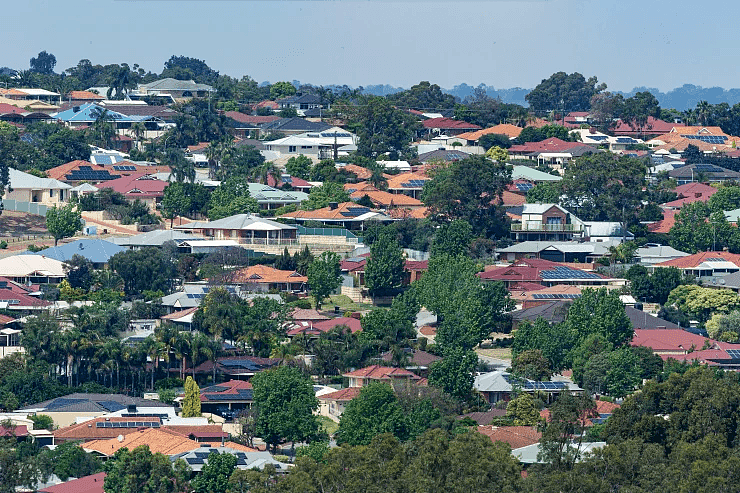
<point x="333" y="205"/>
<point x="76" y="109"/>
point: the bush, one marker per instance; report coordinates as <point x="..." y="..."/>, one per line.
<point x="304" y="304"/>
<point x="3" y="245"/>
<point x="169" y="383"/>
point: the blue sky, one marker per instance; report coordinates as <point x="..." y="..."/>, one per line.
<point x="625" y="43"/>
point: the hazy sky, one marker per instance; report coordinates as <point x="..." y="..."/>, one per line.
<point x="625" y="43"/>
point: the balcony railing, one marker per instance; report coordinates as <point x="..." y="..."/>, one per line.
<point x="554" y="228"/>
<point x="261" y="241"/>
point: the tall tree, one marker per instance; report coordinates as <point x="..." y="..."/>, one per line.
<point x="191" y="401"/>
<point x="376" y="410"/>
<point x="63" y="222"/>
<point x="564" y="92"/>
<point x="140" y="471"/>
<point x="43" y="63"/>
<point x="385" y="268"/>
<point x="324" y="276"/>
<point x="286" y="402"/>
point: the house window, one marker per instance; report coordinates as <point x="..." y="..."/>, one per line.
<point x="554" y="220"/>
<point x="291" y="148"/>
<point x="306" y="147"/>
<point x="51" y="193"/>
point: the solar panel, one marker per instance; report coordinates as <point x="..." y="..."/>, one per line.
<point x="710" y="139"/>
<point x="195" y="460"/>
<point x="734" y="353"/>
<point x="524" y="187"/>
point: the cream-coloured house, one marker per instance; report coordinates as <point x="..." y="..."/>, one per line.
<point x="29" y="188"/>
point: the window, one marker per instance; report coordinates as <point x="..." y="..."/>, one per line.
<point x="306" y="147"/>
<point x="291" y="148"/>
<point x="51" y="193"/>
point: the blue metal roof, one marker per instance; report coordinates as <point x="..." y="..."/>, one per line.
<point x="96" y="251"/>
<point x="90" y="112"/>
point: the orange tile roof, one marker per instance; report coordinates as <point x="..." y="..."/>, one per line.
<point x="89" y="430"/>
<point x="515" y="436"/>
<point x="362" y="185"/>
<point x="158" y="441"/>
<point x="377" y="372"/>
<point x="416" y="213"/>
<point x="681" y="144"/>
<point x="428" y="330"/>
<point x="262" y="274"/>
<point x="386" y="199"/>
<point x="698" y="258"/>
<point x="665" y="224"/>
<point x="697" y="130"/>
<point x="178" y="314"/>
<point x="84" y="96"/>
<point x="343" y="395"/>
<point x="396" y="182"/>
<point x="359" y="171"/>
<point x="240" y="447"/>
<point x="511" y="199"/>
<point x="60" y="172"/>
<point x="507" y="129"/>
<point x="326" y="213"/>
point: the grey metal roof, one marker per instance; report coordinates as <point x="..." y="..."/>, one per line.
<point x="81" y="402"/>
<point x="20" y="180"/>
<point x="240" y="221"/>
<point x="96" y="251"/>
<point x="158" y="237"/>
<point x="539" y="208"/>
<point x="644" y="320"/>
<point x="170" y="84"/>
<point x="295" y="124"/>
<point x="563" y="246"/>
<point x="197" y="458"/>
<point x="553" y="312"/>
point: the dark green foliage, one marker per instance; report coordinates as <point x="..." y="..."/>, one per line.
<point x="140" y="471"/>
<point x="214" y="478"/>
<point x="375" y="411"/>
<point x="423" y="96"/>
<point x="455" y="372"/>
<point x="231" y="197"/>
<point x="654" y="287"/>
<point x="70" y="460"/>
<point x="465" y="190"/>
<point x="453" y="238"/>
<point x="286" y="401"/>
<point x="187" y="68"/>
<point x="385" y="268"/>
<point x="79" y="272"/>
<point x="325" y="194"/>
<point x="299" y="166"/>
<point x="142" y="270"/>
<point x="43" y="63"/>
<point x="538" y="134"/>
<point x="531" y="364"/>
<point x="324" y="276"/>
<point x="494" y="140"/>
<point x="564" y="92"/>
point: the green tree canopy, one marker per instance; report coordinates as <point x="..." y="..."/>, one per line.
<point x="324" y="276"/>
<point x="231" y="197"/>
<point x="286" y="401"/>
<point x="191" y="401"/>
<point x="140" y="471"/>
<point x="384" y="270"/>
<point x="375" y="411"/>
<point x="564" y="92"/>
<point x="63" y="221"/>
<point x="325" y="194"/>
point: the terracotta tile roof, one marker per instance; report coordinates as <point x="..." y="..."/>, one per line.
<point x="377" y="372"/>
<point x="602" y="407"/>
<point x="428" y="330"/>
<point x="485" y="418"/>
<point x="178" y="314"/>
<point x="507" y="129"/>
<point x="344" y="211"/>
<point x="18" y="431"/>
<point x="690" y="193"/>
<point x="668" y="340"/>
<point x="653" y="126"/>
<point x="256" y="120"/>
<point x="401" y="213"/>
<point x="137" y="185"/>
<point x="267" y="104"/>
<point x="360" y="172"/>
<point x="665" y="224"/>
<point x="386" y="199"/>
<point x="539" y="123"/>
<point x="697" y="130"/>
<point x="343" y="395"/>
<point x="698" y="258"/>
<point x="362" y="185"/>
<point x="353" y="324"/>
<point x="553" y="144"/>
<point x="84" y="96"/>
<point x="60" y="172"/>
<point x="197" y="431"/>
<point x="6" y="109"/>
<point x="262" y="274"/>
<point x="159" y="441"/>
<point x="511" y="199"/>
<point x="515" y="436"/>
<point x="416" y="357"/>
<point x="87" y="484"/>
<point x="449" y="124"/>
<point x="308" y="314"/>
<point x="5" y="320"/>
<point x="240" y="447"/>
<point x="681" y="144"/>
<point x="396" y="182"/>
<point x="90" y="431"/>
<point x="526" y="286"/>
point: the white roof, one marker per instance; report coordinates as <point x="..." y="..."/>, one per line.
<point x="292" y="140"/>
<point x="31" y="265"/>
<point x="39" y="92"/>
<point x="539" y="208"/>
<point x="20" y="180"/>
<point x="528" y="454"/>
<point x="210" y="243"/>
<point x="84" y="187"/>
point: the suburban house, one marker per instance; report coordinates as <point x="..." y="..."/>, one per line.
<point x="35" y="268"/>
<point x="85" y="115"/>
<point x="159" y="441"/>
<point x="96" y="251"/>
<point x="30" y="94"/>
<point x="685" y="346"/>
<point x="654" y="254"/>
<point x="81" y="97"/>
<point x="553" y="152"/>
<point x="285" y="180"/>
<point x="499" y="385"/>
<point x="690" y="192"/>
<point x="22" y="116"/>
<point x="248" y="459"/>
<point x="542" y="272"/>
<point x="246" y="229"/>
<point x="531" y="175"/>
<point x="555" y="251"/>
<point x="316" y="328"/>
<point x="232" y="367"/>
<point x="652" y="126"/>
<point x="292" y="126"/>
<point x="410" y="184"/>
<point x="347" y="214"/>
<point x="93" y="483"/>
<point x="547" y="222"/>
<point x="262" y="278"/>
<point x="442" y="155"/>
<point x="303" y="102"/>
<point x="243" y="125"/>
<point x="232" y="395"/>
<point x="506" y="129"/>
<point x="10" y="340"/>
<point x="317" y="145"/>
<point x="138" y="186"/>
<point x="333" y="404"/>
<point x="375" y="373"/>
<point x="171" y="90"/>
<point x="385" y="200"/>
<point x="704" y="172"/>
<point x="24" y="187"/>
<point x="704" y="264"/>
<point x="447" y="126"/>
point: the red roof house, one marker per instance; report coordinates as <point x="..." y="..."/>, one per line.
<point x="377" y="373"/>
<point x="87" y="484"/>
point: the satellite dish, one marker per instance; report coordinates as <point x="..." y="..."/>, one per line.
<point x="120" y="438"/>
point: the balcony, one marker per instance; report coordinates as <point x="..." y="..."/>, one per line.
<point x="259" y="241"/>
<point x="535" y="227"/>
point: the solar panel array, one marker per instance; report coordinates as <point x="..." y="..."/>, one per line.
<point x="567" y="273"/>
<point x="87" y="173"/>
<point x="127" y="424"/>
<point x="625" y="140"/>
<point x="556" y="296"/>
<point x="734" y="353"/>
<point x="414" y="184"/>
<point x="597" y="137"/>
<point x="708" y="168"/>
<point x="710" y="139"/>
<point x="535" y="385"/>
<point x="144" y="415"/>
<point x="124" y="167"/>
<point x="103" y="159"/>
<point x="524" y="187"/>
<point x="355" y="211"/>
<point x="714" y="259"/>
<point x="195" y="296"/>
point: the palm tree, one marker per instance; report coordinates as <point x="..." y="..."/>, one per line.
<point x="703" y="111"/>
<point x="120" y="81"/>
<point x="168" y="335"/>
<point x="263" y="172"/>
<point x="181" y="169"/>
<point x="376" y="176"/>
<point x="182" y="347"/>
<point x="138" y="130"/>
